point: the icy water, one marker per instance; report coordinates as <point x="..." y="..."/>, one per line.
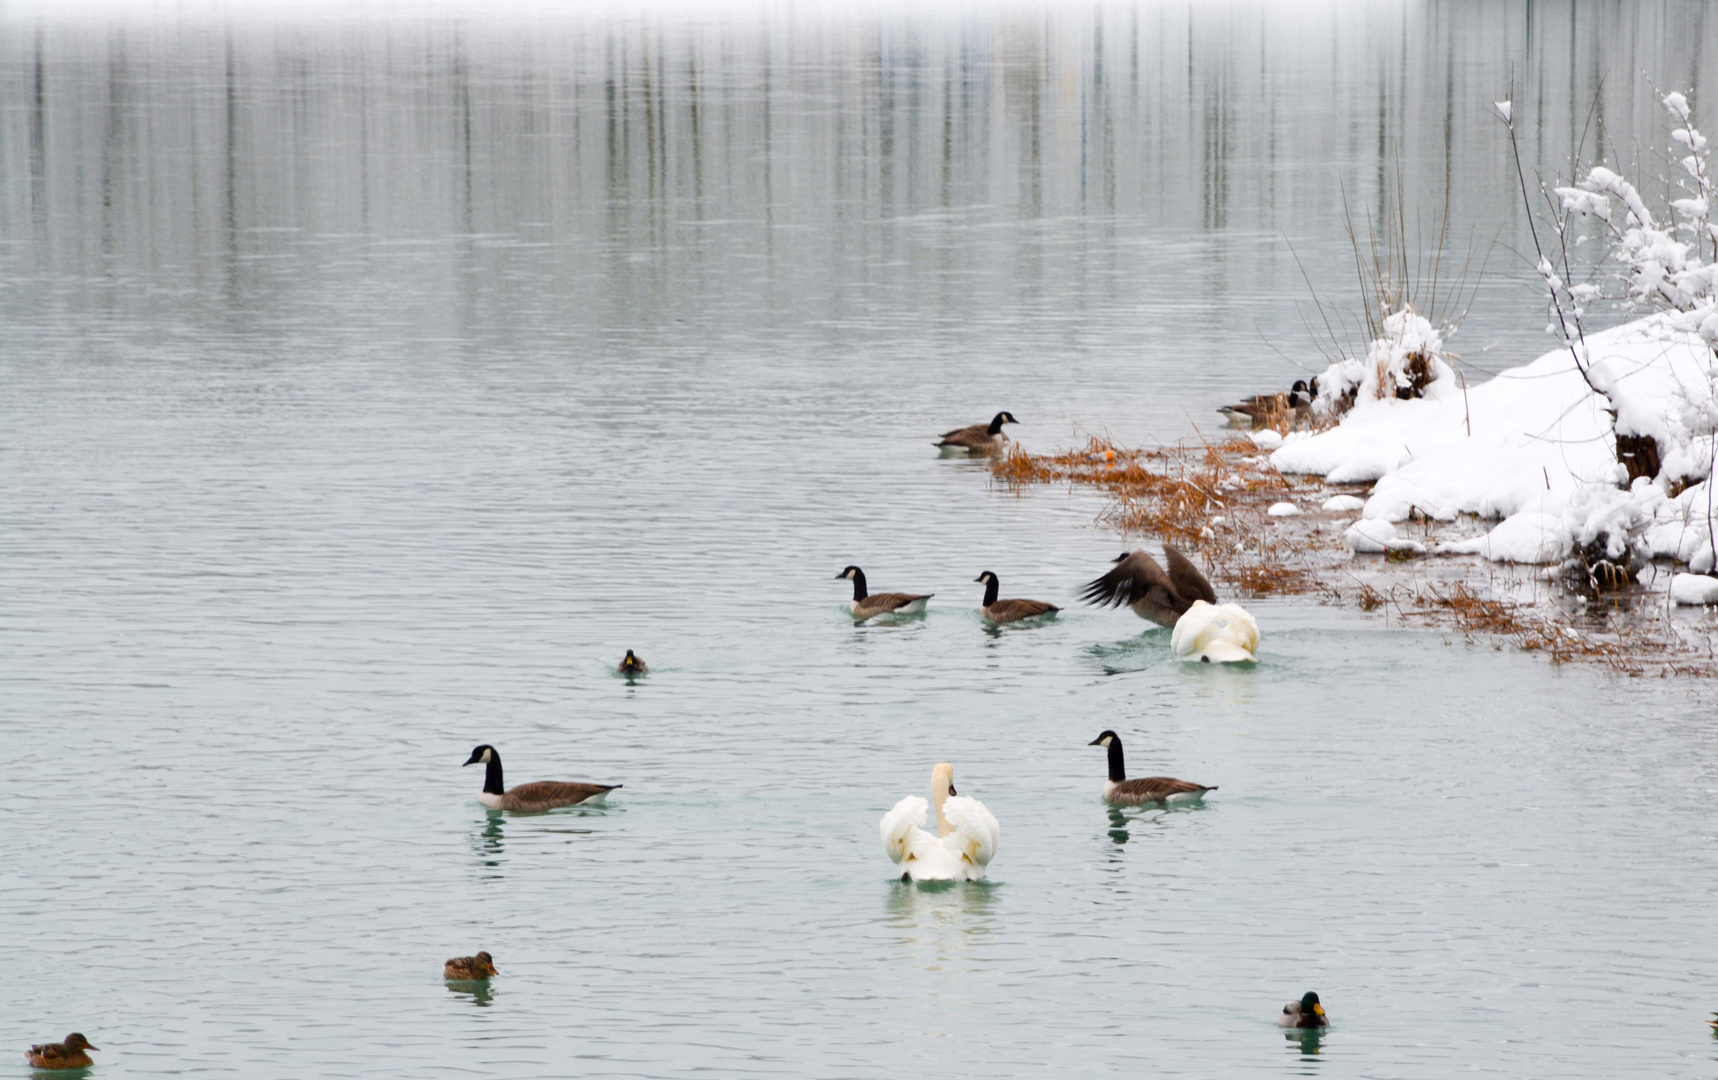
<point x="369" y="385"/>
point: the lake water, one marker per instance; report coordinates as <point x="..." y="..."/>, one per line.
<point x="368" y="385"/>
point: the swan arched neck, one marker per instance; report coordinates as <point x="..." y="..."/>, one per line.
<point x="941" y="781"/>
<point x="859" y="592"/>
<point x="991" y="588"/>
<point x="492" y="778"/>
<point x="1118" y="771"/>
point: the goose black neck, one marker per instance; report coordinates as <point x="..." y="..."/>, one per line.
<point x="1118" y="772"/>
<point x="996" y="425"/>
<point x="492" y="779"/>
<point x="991" y="588"/>
<point x="859" y="585"/>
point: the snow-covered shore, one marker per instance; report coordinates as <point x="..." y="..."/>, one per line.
<point x="1532" y="448"/>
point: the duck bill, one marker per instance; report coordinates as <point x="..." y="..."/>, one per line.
<point x="1319" y="1009"/>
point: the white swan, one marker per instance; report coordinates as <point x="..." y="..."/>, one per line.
<point x="964" y="842"/>
<point x="1215" y="633"/>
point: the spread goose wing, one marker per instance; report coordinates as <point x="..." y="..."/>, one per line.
<point x="1132" y="580"/>
<point x="1185" y="578"/>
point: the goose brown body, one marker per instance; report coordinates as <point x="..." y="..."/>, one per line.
<point x="469" y="968"/>
<point x="1007" y="611"/>
<point x="62" y="1055"/>
<point x="867" y="605"/>
<point x="530" y="798"/>
<point x="979" y="438"/>
<point x="1153" y="593"/>
<point x="1144" y="790"/>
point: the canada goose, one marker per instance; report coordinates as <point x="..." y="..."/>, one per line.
<point x="1305" y="1013"/>
<point x="1120" y="791"/>
<point x="1269" y="410"/>
<point x="979" y="438"/>
<point x="1140" y="583"/>
<point x="1007" y="611"/>
<point x="469" y="968"/>
<point x="62" y="1055"/>
<point x="530" y="798"/>
<point x="1221" y="633"/>
<point x="965" y="839"/>
<point x="632" y="665"/>
<point x="866" y="605"/>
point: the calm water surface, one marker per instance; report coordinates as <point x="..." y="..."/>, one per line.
<point x="369" y="385"/>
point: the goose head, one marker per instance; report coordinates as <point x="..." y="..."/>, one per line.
<point x="1005" y="417"/>
<point x="985" y="578"/>
<point x="481" y="755"/>
<point x="850" y="573"/>
<point x="1104" y="740"/>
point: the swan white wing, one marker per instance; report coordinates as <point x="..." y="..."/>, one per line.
<point x="975" y="830"/>
<point x="1218" y="632"/>
<point x="899" y="824"/>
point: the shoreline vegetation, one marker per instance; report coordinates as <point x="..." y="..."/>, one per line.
<point x="1224" y="500"/>
<point x="1565" y="506"/>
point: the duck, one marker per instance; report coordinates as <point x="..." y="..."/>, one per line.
<point x="1215" y="633"/>
<point x="960" y="849"/>
<point x="978" y="438"/>
<point x="469" y="968"/>
<point x="865" y="605"/>
<point x="1305" y="1013"/>
<point x="1007" y="611"/>
<point x="62" y="1055"/>
<point x="1120" y="791"/>
<point x="632" y="665"/>
<point x="1143" y="585"/>
<point x="530" y="798"/>
<point x="1714" y="1021"/>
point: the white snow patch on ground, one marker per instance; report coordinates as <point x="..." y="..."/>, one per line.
<point x="1283" y="509"/>
<point x="1267" y="439"/>
<point x="1540" y="452"/>
<point x="1342" y="503"/>
<point x="1694" y="589"/>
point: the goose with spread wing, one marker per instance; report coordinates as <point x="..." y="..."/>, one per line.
<point x="961" y="847"/>
<point x="1140" y="582"/>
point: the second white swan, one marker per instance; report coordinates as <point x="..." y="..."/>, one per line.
<point x="959" y="850"/>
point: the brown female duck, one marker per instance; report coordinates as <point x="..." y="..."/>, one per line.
<point x="62" y="1055"/>
<point x="469" y="968"/>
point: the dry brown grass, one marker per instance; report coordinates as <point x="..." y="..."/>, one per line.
<point x="1210" y="499"/>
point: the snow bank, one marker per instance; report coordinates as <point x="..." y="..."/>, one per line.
<point x="1533" y="447"/>
<point x="1694" y="589"/>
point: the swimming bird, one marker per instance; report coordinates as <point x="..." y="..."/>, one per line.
<point x="62" y="1055"/>
<point x="979" y="438"/>
<point x="964" y="842"/>
<point x="1120" y="791"/>
<point x="530" y="798"/>
<point x="1305" y="1013"/>
<point x="1288" y="410"/>
<point x="1714" y="1021"/>
<point x="1220" y="633"/>
<point x="1007" y="611"/>
<point x="469" y="968"/>
<point x="632" y="665"/>
<point x="1140" y="583"/>
<point x="866" y="605"/>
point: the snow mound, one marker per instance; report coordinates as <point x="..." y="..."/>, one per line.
<point x="1283" y="509"/>
<point x="1266" y="439"/>
<point x="1532" y="447"/>
<point x="1694" y="589"/>
<point x="1342" y="503"/>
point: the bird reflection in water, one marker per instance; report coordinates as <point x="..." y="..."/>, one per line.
<point x="490" y="842"/>
<point x="1120" y="821"/>
<point x="476" y="989"/>
<point x="1305" y="1043"/>
<point x="944" y="917"/>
